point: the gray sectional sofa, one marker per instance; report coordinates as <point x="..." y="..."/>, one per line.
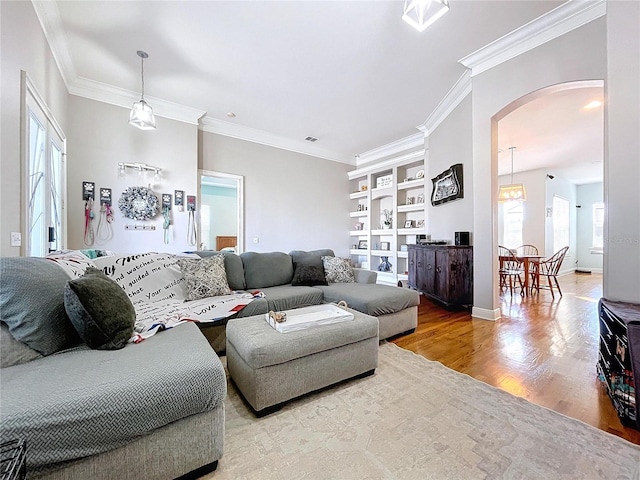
<point x="151" y="410"/>
<point x="155" y="409"/>
<point x="272" y="273"/>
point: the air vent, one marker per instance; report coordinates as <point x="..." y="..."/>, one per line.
<point x="311" y="139"/>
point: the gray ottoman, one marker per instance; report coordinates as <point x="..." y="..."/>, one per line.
<point x="270" y="368"/>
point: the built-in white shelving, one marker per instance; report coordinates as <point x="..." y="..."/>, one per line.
<point x="397" y="186"/>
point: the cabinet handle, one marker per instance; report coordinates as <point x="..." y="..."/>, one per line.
<point x="439" y="269"/>
<point x="419" y="264"/>
<point x="429" y="267"/>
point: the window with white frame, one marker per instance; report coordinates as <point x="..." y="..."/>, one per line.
<point x="561" y="222"/>
<point x="598" y="226"/>
<point x="44" y="184"/>
<point x="513" y="215"/>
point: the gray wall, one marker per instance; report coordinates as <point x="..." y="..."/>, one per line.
<point x="292" y="201"/>
<point x="578" y="55"/>
<point x="99" y="138"/>
<point x="23" y="46"/>
<point x="450" y="143"/>
<point x="622" y="154"/>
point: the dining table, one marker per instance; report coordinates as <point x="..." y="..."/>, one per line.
<point x="527" y="262"/>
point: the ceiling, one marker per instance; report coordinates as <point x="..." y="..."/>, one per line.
<point x="350" y="73"/>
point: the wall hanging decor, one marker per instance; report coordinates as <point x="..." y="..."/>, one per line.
<point x="139" y="203"/>
<point x="448" y="185"/>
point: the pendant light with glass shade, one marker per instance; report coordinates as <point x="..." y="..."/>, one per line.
<point x="422" y="13"/>
<point x="513" y="191"/>
<point x="142" y="114"/>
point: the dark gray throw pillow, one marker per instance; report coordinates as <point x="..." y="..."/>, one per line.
<point x="100" y="310"/>
<point x="308" y="275"/>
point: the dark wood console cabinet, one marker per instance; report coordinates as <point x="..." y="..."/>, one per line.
<point x="443" y="272"/>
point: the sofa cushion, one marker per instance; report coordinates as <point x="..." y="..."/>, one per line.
<point x="287" y="297"/>
<point x="338" y="270"/>
<point x="232" y="265"/>
<point x="32" y="303"/>
<point x="100" y="310"/>
<point x="374" y="300"/>
<point x="313" y="257"/>
<point x="308" y="275"/>
<point x="263" y="270"/>
<point x="205" y="277"/>
<point x="14" y="352"/>
<point x="82" y="402"/>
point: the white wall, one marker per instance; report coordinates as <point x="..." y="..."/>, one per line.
<point x="567" y="190"/>
<point x="100" y="137"/>
<point x="622" y="154"/>
<point x="578" y="55"/>
<point x="448" y="144"/>
<point x="586" y="196"/>
<point x="23" y="46"/>
<point x="292" y="201"/>
<point x="534" y="208"/>
<point x="223" y="218"/>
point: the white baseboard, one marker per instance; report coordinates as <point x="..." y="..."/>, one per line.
<point x="485" y="313"/>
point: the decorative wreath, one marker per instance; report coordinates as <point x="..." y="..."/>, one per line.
<point x="139" y="203"/>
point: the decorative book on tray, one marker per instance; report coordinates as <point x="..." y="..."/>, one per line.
<point x="307" y="317"/>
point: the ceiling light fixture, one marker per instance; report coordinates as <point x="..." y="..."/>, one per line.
<point x="142" y="114"/>
<point x="513" y="191"/>
<point x="592" y="105"/>
<point x="422" y="13"/>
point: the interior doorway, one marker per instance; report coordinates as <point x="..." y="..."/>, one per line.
<point x="221" y="212"/>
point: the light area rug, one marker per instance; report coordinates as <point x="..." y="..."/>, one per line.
<point x="416" y="419"/>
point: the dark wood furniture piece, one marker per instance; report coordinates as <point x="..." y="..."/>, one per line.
<point x="619" y="358"/>
<point x="442" y="272"/>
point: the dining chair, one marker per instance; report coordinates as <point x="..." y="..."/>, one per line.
<point x="549" y="267"/>
<point x="510" y="268"/>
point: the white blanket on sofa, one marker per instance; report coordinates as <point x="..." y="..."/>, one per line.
<point x="154" y="284"/>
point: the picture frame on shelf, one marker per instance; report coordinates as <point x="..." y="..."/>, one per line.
<point x="385" y="246"/>
<point x="358" y="225"/>
<point x="411" y="200"/>
<point x="408" y="224"/>
<point x="363" y="245"/>
<point x="420" y="198"/>
<point x="354" y="247"/>
<point x="420" y="224"/>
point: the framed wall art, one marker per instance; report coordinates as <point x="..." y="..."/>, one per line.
<point x="448" y="185"/>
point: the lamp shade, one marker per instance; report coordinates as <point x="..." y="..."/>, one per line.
<point x="141" y="116"/>
<point x="422" y="13"/>
<point x="512" y="192"/>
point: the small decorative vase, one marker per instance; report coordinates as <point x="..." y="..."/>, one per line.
<point x="385" y="265"/>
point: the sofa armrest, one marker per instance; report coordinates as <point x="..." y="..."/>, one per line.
<point x="365" y="276"/>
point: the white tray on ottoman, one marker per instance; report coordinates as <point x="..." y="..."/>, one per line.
<point x="308" y="317"/>
<point x="270" y="368"/>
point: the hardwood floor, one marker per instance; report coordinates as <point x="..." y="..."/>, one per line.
<point x="542" y="349"/>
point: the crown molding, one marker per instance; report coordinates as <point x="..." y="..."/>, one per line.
<point x="228" y="129"/>
<point x="102" y="92"/>
<point x="418" y="154"/>
<point x="392" y="148"/>
<point x="451" y="100"/>
<point x="557" y="22"/>
<point x="49" y="18"/>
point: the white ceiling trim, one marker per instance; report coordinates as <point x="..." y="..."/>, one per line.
<point x="451" y="100"/>
<point x="561" y="20"/>
<point x="228" y="129"/>
<point x="387" y="163"/>
<point x="393" y="148"/>
<point x="49" y="18"/>
<point x="102" y="92"/>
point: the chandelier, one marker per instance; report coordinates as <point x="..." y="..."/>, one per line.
<point x="422" y="13"/>
<point x="513" y="191"/>
<point x="141" y="115"/>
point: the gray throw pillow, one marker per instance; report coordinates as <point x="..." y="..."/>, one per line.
<point x="32" y="304"/>
<point x="204" y="277"/>
<point x="308" y="275"/>
<point x="100" y="310"/>
<point x="338" y="270"/>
